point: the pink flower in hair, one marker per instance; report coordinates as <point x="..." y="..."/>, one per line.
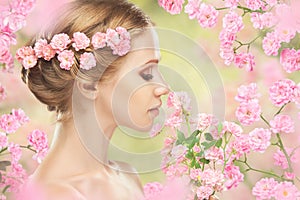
<point x="80" y="41"/>
<point x="39" y="47"/>
<point x="171" y="6"/>
<point x="29" y="61"/>
<point x="87" y="61"/>
<point x="66" y="59"/>
<point x="244" y="60"/>
<point x="60" y="42"/>
<point x="207" y="16"/>
<point x="118" y="40"/>
<point x="99" y="40"/>
<point x="24" y="52"/>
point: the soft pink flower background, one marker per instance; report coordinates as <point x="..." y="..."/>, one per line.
<point x="267" y="71"/>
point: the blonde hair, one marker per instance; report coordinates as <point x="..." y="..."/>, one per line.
<point x="52" y="85"/>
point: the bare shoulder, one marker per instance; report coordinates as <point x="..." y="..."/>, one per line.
<point x="131" y="171"/>
<point x="61" y="191"/>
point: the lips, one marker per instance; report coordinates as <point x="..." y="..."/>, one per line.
<point x="154" y="111"/>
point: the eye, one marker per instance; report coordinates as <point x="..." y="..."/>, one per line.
<point x="147" y="74"/>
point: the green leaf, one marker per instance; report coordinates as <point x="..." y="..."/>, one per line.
<point x="193" y="162"/>
<point x="205" y="161"/>
<point x="219" y="143"/>
<point x="207" y="145"/>
<point x="189" y="155"/>
<point x="220" y="127"/>
<point x="208" y="137"/>
<point x="180" y="137"/>
<point x="200" y="154"/>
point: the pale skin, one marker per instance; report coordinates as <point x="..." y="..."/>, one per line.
<point x="73" y="171"/>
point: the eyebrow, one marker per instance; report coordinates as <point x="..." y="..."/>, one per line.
<point x="152" y="61"/>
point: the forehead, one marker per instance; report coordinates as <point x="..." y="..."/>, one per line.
<point x="144" y="47"/>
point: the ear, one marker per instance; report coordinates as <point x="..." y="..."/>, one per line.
<point x="87" y="89"/>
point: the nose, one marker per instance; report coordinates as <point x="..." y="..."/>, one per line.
<point x="161" y="90"/>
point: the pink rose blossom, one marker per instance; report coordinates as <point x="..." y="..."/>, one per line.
<point x="5" y="55"/>
<point x="282" y="123"/>
<point x="290" y="60"/>
<point x="38" y="140"/>
<point x="231" y="3"/>
<point x="3" y="140"/>
<point x="118" y="40"/>
<point x="233" y="176"/>
<point x="244" y="60"/>
<point x="24" y="52"/>
<point x="196" y="149"/>
<point x="227" y="54"/>
<point x="286" y="191"/>
<point x="232" y="128"/>
<point x="214" y="154"/>
<point x="175" y="170"/>
<point x="40" y="155"/>
<point x="226" y="37"/>
<point x="207" y="16"/>
<point x="179" y="151"/>
<point x="233" y="22"/>
<point x="174" y="121"/>
<point x="285" y="34"/>
<point x="87" y="61"/>
<point x="152" y="189"/>
<point x="280" y="159"/>
<point x="66" y="59"/>
<point x="2" y="93"/>
<point x="265" y="188"/>
<point x="9" y="123"/>
<point x="44" y="50"/>
<point x="264" y="20"/>
<point x="7" y="38"/>
<point x="195" y="174"/>
<point x="60" y="42"/>
<point x="247" y="92"/>
<point x="260" y="139"/>
<point x="271" y="44"/>
<point x="281" y="92"/>
<point x="15" y="152"/>
<point x="254" y="4"/>
<point x="24" y="7"/>
<point x="20" y="116"/>
<point x="80" y="41"/>
<point x="203" y="192"/>
<point x="238" y="148"/>
<point x="192" y="8"/>
<point x="271" y="2"/>
<point x="248" y="113"/>
<point x="12" y="20"/>
<point x="203" y="121"/>
<point x="171" y="6"/>
<point x="99" y="40"/>
<point x="179" y="100"/>
<point x="29" y="62"/>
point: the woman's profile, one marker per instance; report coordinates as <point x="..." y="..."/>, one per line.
<point x="97" y="68"/>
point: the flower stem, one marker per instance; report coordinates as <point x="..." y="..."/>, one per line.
<point x="264" y="119"/>
<point x="279" y="111"/>
<point x="28" y="147"/>
<point x="284" y="152"/>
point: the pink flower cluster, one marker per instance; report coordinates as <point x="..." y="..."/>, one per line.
<point x="283" y="92"/>
<point x="206" y="15"/>
<point x="12" y="19"/>
<point x="38" y="140"/>
<point x="9" y="123"/>
<point x="281" y="160"/>
<point x="249" y="109"/>
<point x="118" y="40"/>
<point x="171" y="6"/>
<point x="290" y="60"/>
<point x="268" y="188"/>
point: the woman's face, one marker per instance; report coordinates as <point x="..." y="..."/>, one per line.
<point x="133" y="96"/>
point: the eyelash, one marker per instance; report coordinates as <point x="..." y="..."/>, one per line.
<point x="147" y="76"/>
